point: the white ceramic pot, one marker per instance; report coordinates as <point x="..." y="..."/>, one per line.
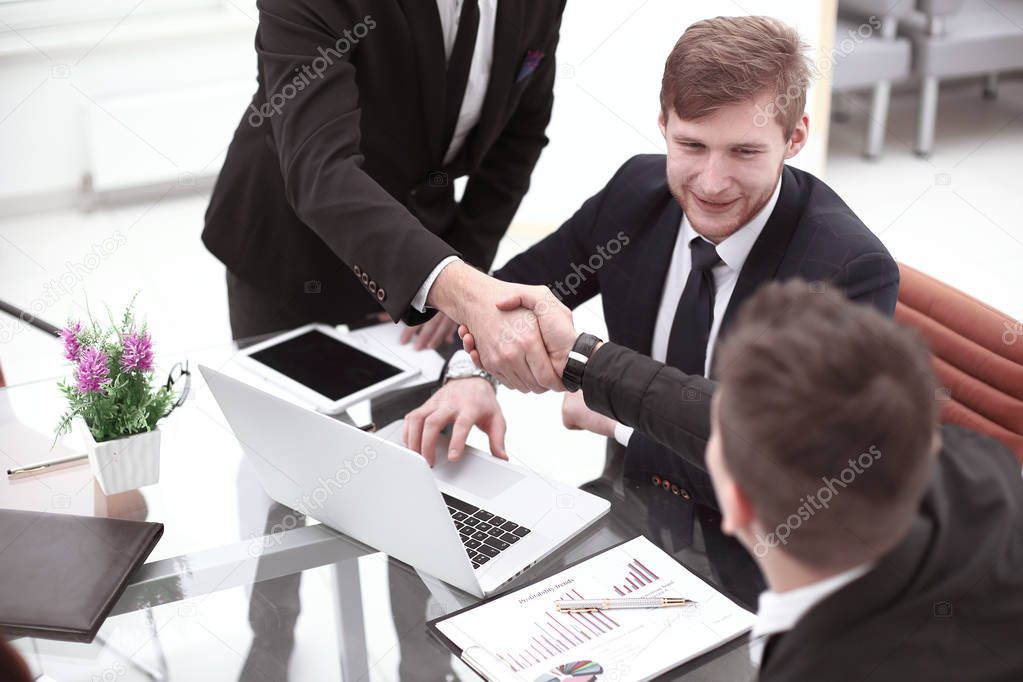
<point x="125" y="463"/>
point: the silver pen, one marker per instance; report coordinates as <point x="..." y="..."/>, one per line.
<point x="46" y="465"/>
<point x="583" y="605"/>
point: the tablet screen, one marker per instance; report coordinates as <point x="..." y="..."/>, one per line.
<point x="325" y="365"/>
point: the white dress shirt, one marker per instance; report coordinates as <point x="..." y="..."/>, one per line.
<point x="479" y="70"/>
<point x="472" y="104"/>
<point x="733" y="251"/>
<point x="780" y="611"/>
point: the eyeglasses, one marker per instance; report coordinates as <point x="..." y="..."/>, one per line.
<point x="179" y="378"/>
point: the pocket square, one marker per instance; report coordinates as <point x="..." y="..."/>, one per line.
<point x="529" y="64"/>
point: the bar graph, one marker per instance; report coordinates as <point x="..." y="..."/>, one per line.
<point x="637" y="577"/>
<point x="557" y="633"/>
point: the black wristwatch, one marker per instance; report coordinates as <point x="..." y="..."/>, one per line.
<point x="572" y="377"/>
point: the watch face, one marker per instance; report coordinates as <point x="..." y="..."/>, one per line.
<point x="461" y="362"/>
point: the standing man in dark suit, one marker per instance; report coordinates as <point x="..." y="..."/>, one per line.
<point x="892" y="548"/>
<point x="337" y="199"/>
<point x="674" y="244"/>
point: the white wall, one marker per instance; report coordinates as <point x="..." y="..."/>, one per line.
<point x="53" y="83"/>
<point x="58" y="85"/>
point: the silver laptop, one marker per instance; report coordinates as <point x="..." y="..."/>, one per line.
<point x="475" y="524"/>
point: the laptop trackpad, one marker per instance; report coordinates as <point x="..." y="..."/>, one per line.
<point x="475" y="473"/>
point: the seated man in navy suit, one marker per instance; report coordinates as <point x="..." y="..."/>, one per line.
<point x="675" y="243"/>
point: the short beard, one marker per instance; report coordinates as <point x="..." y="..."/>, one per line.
<point x="731" y="228"/>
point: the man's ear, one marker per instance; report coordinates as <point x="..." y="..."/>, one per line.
<point x="799" y="136"/>
<point x="662" y="123"/>
<point x="736" y="509"/>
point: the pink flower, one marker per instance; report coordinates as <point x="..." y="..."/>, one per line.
<point x="92" y="374"/>
<point x="137" y="353"/>
<point x="69" y="335"/>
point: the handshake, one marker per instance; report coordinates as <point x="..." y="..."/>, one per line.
<point x="520" y="334"/>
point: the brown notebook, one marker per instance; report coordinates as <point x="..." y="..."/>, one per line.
<point x="61" y="574"/>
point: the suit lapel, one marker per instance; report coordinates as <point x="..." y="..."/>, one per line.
<point x="648" y="270"/>
<point x="503" y="68"/>
<point x="770" y="248"/>
<point x="428" y="37"/>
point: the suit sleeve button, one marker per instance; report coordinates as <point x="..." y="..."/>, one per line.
<point x="381" y="294"/>
<point x="357" y="270"/>
<point x="655" y="479"/>
<point x="372" y="287"/>
<point x="365" y="278"/>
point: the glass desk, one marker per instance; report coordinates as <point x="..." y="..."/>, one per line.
<point x="242" y="588"/>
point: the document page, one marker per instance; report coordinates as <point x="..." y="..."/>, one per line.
<point x="522" y="636"/>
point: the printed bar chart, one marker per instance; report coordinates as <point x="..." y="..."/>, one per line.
<point x="557" y="633"/>
<point x="637" y="577"/>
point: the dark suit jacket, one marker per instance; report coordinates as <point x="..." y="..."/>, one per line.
<point x="337" y="165"/>
<point x="634" y="222"/>
<point x="946" y="603"/>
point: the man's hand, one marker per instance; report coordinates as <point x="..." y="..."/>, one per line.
<point x="432" y="334"/>
<point x="576" y="416"/>
<point x="553" y="317"/>
<point x="507" y="338"/>
<point x="466" y="402"/>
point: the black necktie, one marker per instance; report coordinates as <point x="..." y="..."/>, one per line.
<point x="458" y="67"/>
<point x="687" y="344"/>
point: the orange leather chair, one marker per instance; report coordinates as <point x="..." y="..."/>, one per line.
<point x="978" y="356"/>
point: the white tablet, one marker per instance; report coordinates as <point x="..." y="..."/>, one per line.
<point x="319" y="365"/>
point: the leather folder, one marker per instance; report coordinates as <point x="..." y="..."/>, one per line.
<point x="60" y="574"/>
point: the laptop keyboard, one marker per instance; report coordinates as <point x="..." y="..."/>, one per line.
<point x="484" y="534"/>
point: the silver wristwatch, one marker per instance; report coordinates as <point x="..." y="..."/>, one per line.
<point x="461" y="366"/>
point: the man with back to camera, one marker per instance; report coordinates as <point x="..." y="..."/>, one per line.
<point x="892" y="546"/>
<point x="675" y="243"/>
<point x="336" y="198"/>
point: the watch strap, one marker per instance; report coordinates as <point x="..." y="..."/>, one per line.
<point x="583" y="347"/>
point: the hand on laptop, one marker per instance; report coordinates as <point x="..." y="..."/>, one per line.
<point x="465" y="403"/>
<point x="507" y="339"/>
<point x="553" y="317"/>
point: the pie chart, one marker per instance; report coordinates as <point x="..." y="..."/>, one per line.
<point x="576" y="671"/>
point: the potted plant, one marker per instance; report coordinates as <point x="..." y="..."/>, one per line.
<point x="113" y="401"/>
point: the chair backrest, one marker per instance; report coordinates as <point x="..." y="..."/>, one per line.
<point x="882" y="9"/>
<point x="978" y="356"/>
<point x="937" y="8"/>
